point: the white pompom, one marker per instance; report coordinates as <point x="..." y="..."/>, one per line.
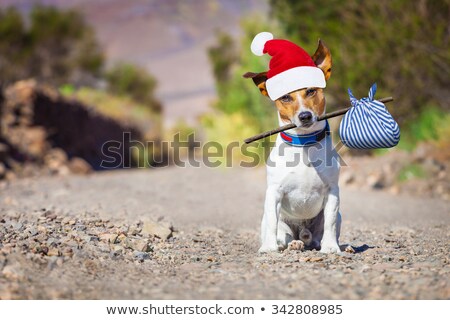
<point x="259" y="41"/>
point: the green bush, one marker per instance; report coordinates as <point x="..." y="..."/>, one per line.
<point x="128" y="79"/>
<point x="411" y="171"/>
<point x="400" y="44"/>
<point x="241" y="109"/>
<point x="58" y="47"/>
<point x="236" y="94"/>
<point x="431" y="125"/>
<point x="121" y="108"/>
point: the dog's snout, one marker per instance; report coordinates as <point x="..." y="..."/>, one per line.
<point x="305" y="116"/>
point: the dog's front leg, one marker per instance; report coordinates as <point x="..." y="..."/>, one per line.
<point x="269" y="222"/>
<point x="329" y="243"/>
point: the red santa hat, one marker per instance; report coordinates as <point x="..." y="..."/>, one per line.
<point x="291" y="68"/>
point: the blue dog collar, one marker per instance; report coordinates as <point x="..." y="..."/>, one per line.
<point x="305" y="139"/>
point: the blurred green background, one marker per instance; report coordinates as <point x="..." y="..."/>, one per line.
<point x="402" y="45"/>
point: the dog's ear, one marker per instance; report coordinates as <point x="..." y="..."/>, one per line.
<point x="322" y="59"/>
<point x="260" y="81"/>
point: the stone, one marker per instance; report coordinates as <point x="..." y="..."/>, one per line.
<point x="68" y="252"/>
<point x="365" y="268"/>
<point x="33" y="231"/>
<point x="42" y="230"/>
<point x="80" y="227"/>
<point x="157" y="230"/>
<point x="316" y="259"/>
<point x="347" y="177"/>
<point x="141" y="256"/>
<point x="108" y="237"/>
<point x="79" y="166"/>
<point x="141" y="245"/>
<point x="53" y="252"/>
<point x="50" y="215"/>
<point x="52" y="242"/>
<point x="13" y="272"/>
<point x="55" y="158"/>
<point x="103" y="247"/>
<point x="116" y="252"/>
<point x="127" y="243"/>
<point x="121" y="237"/>
<point x="18" y="226"/>
<point x="395" y="190"/>
<point x="375" y="180"/>
<point x="421" y="152"/>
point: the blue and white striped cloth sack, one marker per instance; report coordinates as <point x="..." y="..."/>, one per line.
<point x="368" y="125"/>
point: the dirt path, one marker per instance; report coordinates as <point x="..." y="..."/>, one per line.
<point x="85" y="238"/>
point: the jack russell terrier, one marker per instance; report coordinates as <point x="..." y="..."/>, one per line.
<point x="301" y="207"/>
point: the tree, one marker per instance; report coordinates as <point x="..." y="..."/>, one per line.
<point x="58" y="47"/>
<point x="402" y="45"/>
<point x="230" y="60"/>
<point x="223" y="56"/>
<point x="15" y="46"/>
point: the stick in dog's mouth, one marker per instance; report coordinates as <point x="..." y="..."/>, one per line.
<point x="291" y="125"/>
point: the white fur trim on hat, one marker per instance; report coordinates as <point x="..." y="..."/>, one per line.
<point x="294" y="79"/>
<point x="259" y="41"/>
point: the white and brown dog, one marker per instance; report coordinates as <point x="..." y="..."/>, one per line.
<point x="302" y="198"/>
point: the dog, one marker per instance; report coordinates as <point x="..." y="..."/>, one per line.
<point x="301" y="208"/>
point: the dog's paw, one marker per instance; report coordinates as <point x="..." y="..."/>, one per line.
<point x="330" y="248"/>
<point x="268" y="248"/>
<point x="296" y="245"/>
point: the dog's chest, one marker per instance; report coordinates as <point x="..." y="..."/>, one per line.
<point x="303" y="194"/>
<point x="302" y="183"/>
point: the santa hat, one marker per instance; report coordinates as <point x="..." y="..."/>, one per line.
<point x="291" y="68"/>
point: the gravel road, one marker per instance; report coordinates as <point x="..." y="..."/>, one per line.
<point x="193" y="234"/>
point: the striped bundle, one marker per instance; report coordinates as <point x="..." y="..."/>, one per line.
<point x="368" y="125"/>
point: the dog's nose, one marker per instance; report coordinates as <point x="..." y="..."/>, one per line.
<point x="305" y="116"/>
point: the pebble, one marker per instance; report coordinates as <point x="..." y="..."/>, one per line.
<point x="141" y="256"/>
<point x="140" y="245"/>
<point x="13" y="272"/>
<point x="68" y="252"/>
<point x="365" y="268"/>
<point x="108" y="237"/>
<point x="18" y="226"/>
<point x="33" y="231"/>
<point x="376" y="270"/>
<point x="311" y="259"/>
<point x="50" y="215"/>
<point x="80" y="227"/>
<point x="49" y="240"/>
<point x="157" y="230"/>
<point x="53" y="252"/>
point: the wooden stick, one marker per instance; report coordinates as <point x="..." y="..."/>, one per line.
<point x="291" y="125"/>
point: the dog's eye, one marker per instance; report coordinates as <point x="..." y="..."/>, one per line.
<point x="286" y="98"/>
<point x="311" y="92"/>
